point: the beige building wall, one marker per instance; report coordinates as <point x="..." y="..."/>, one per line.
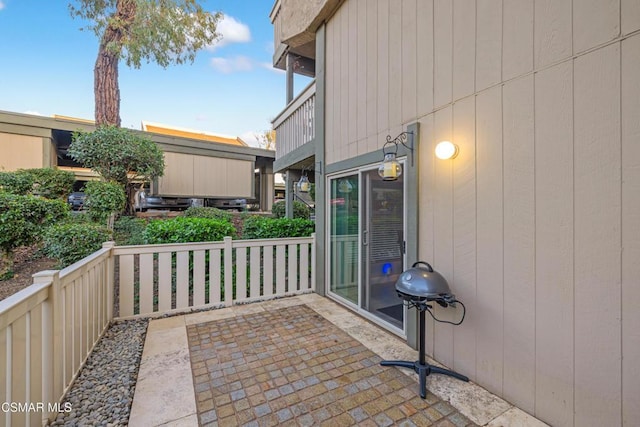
<point x="536" y="223"/>
<point x="191" y="175"/>
<point x="23" y="152"/>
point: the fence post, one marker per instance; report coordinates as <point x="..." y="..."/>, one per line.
<point x="51" y="338"/>
<point x="228" y="271"/>
<point x="110" y="278"/>
<point x="313" y="262"/>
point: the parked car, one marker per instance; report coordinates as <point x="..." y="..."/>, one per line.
<point x="239" y="204"/>
<point x="144" y="202"/>
<point x="76" y="200"/>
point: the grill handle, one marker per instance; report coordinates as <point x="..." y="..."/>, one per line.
<point x="429" y="268"/>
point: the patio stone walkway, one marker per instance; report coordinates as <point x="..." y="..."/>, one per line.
<point x="292" y="366"/>
<point x="302" y="360"/>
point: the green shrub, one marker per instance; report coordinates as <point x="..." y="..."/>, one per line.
<point x="207" y="212"/>
<point x="258" y="227"/>
<point x="51" y="183"/>
<point x="16" y="182"/>
<point x="128" y="230"/>
<point x="104" y="199"/>
<point x="22" y="219"/>
<point x="70" y="242"/>
<point x="182" y="230"/>
<point x="300" y="210"/>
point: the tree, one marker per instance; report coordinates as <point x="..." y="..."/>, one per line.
<point x="119" y="155"/>
<point x="163" y="31"/>
<point x="267" y="139"/>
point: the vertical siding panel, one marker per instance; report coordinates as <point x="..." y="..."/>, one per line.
<point x="343" y="96"/>
<point x="409" y="59"/>
<point x="464" y="48"/>
<point x="372" y="68"/>
<point x="552" y="31"/>
<point x="488" y="43"/>
<point x="631" y="230"/>
<point x="517" y="40"/>
<point x="443" y="52"/>
<point x="443" y="235"/>
<point x="464" y="234"/>
<point x="490" y="238"/>
<point x="383" y="66"/>
<point x="630" y="16"/>
<point x="332" y="89"/>
<point x="594" y="22"/>
<point x="554" y="244"/>
<point x="424" y="60"/>
<point x="427" y="189"/>
<point x="519" y="244"/>
<point x="352" y="70"/>
<point x="597" y="239"/>
<point x="395" y="64"/>
<point x="330" y="82"/>
<point x="361" y="71"/>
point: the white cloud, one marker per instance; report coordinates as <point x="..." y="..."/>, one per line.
<point x="233" y="64"/>
<point x="33" y="113"/>
<point x="1" y="5"/>
<point x="232" y="31"/>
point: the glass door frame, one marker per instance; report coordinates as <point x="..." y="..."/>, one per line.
<point x="359" y="171"/>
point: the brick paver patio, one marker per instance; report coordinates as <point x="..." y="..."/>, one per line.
<point x="293" y="367"/>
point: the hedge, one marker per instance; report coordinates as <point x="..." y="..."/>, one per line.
<point x="183" y="230"/>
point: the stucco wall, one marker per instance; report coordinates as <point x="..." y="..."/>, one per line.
<point x="299" y="19"/>
<point x="536" y="223"/>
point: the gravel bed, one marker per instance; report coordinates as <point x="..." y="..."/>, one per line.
<point x="103" y="391"/>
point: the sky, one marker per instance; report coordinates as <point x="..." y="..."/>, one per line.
<point x="46" y="68"/>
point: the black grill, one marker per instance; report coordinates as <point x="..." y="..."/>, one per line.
<point x="418" y="286"/>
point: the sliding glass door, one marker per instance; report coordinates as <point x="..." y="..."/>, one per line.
<point x="366" y="221"/>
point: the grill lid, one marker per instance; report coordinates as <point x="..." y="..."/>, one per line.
<point x="423" y="283"/>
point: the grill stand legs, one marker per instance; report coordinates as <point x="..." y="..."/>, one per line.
<point x="421" y="367"/>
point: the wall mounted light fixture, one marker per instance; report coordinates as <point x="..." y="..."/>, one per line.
<point x="446" y="150"/>
<point x="303" y="184"/>
<point x="391" y="169"/>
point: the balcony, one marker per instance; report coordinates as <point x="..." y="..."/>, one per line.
<point x="295" y="127"/>
<point x="210" y="357"/>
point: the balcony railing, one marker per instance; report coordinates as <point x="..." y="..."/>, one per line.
<point x="295" y="125"/>
<point x="48" y="330"/>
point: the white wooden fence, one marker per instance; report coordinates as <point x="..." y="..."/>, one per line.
<point x="175" y="277"/>
<point x="48" y="330"/>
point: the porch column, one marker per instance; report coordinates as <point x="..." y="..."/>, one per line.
<point x="290" y="183"/>
<point x="266" y="188"/>
<point x="290" y="61"/>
